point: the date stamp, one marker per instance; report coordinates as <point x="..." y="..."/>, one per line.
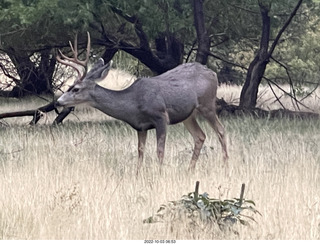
<point x="159" y="241"/>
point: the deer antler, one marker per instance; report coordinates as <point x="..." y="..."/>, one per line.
<point x="74" y="62"/>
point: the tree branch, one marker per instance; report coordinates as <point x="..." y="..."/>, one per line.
<point x="273" y="92"/>
<point x="227" y="61"/>
<point x="243" y="9"/>
<point x="290" y="80"/>
<point x="276" y="40"/>
<point x="6" y="72"/>
<point x="288" y="94"/>
<point x="143" y="38"/>
<point x="38" y="113"/>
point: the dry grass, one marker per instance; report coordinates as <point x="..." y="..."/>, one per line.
<point x="77" y="181"/>
<point x="267" y="100"/>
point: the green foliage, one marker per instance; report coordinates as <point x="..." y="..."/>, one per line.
<point x="160" y="16"/>
<point x="223" y="211"/>
<point x="234" y="27"/>
<point x="34" y="24"/>
<point x="196" y="209"/>
<point x="239" y="22"/>
<point x="298" y="50"/>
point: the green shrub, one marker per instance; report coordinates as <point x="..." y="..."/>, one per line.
<point x="198" y="209"/>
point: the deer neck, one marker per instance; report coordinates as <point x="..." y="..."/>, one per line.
<point x="117" y="104"/>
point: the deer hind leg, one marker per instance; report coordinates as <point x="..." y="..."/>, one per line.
<point x="198" y="136"/>
<point x="211" y="116"/>
<point x="142" y="137"/>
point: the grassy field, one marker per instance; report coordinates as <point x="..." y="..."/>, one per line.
<point x="77" y="181"/>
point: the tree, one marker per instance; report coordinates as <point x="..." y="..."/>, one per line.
<point x="157" y="44"/>
<point x="31" y="30"/>
<point x="35" y="76"/>
<point x="257" y="67"/>
<point x="295" y="58"/>
<point x="202" y="34"/>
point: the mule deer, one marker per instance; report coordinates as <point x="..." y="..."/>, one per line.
<point x="172" y="97"/>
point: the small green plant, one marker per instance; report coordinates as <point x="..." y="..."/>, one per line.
<point x="197" y="208"/>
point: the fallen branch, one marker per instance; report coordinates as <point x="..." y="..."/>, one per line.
<point x="38" y="113"/>
<point x="225" y="109"/>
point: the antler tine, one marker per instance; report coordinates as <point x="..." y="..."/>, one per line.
<point x="69" y="64"/>
<point x="88" y="48"/>
<point x="75" y="47"/>
<point x="74" y="61"/>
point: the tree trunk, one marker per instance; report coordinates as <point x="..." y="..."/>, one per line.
<point x="35" y="76"/>
<point x="202" y="35"/>
<point x="168" y="53"/>
<point x="249" y="92"/>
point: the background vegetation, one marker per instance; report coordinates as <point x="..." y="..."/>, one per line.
<point x="161" y="35"/>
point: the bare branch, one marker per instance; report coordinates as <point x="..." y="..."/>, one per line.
<point x="290" y="81"/>
<point x="276" y="40"/>
<point x="309" y="93"/>
<point x="288" y="94"/>
<point x="36" y="113"/>
<point x="243" y="9"/>
<point x="227" y="61"/>
<point x="143" y="38"/>
<point x="273" y="92"/>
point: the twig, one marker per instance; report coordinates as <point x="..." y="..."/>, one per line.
<point x="227" y="61"/>
<point x="311" y="92"/>
<point x="277" y="98"/>
<point x="286" y="24"/>
<point x="196" y="191"/>
<point x="242" y="193"/>
<point x="294" y="98"/>
<point x="288" y="94"/>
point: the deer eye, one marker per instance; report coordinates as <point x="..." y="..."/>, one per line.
<point x="75" y="89"/>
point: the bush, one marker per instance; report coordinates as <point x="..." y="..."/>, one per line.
<point x="201" y="210"/>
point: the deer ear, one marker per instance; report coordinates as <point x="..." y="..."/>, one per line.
<point x="99" y="71"/>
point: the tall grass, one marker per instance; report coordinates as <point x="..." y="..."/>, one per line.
<point x="77" y="181"/>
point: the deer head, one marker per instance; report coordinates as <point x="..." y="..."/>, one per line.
<point x="86" y="81"/>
